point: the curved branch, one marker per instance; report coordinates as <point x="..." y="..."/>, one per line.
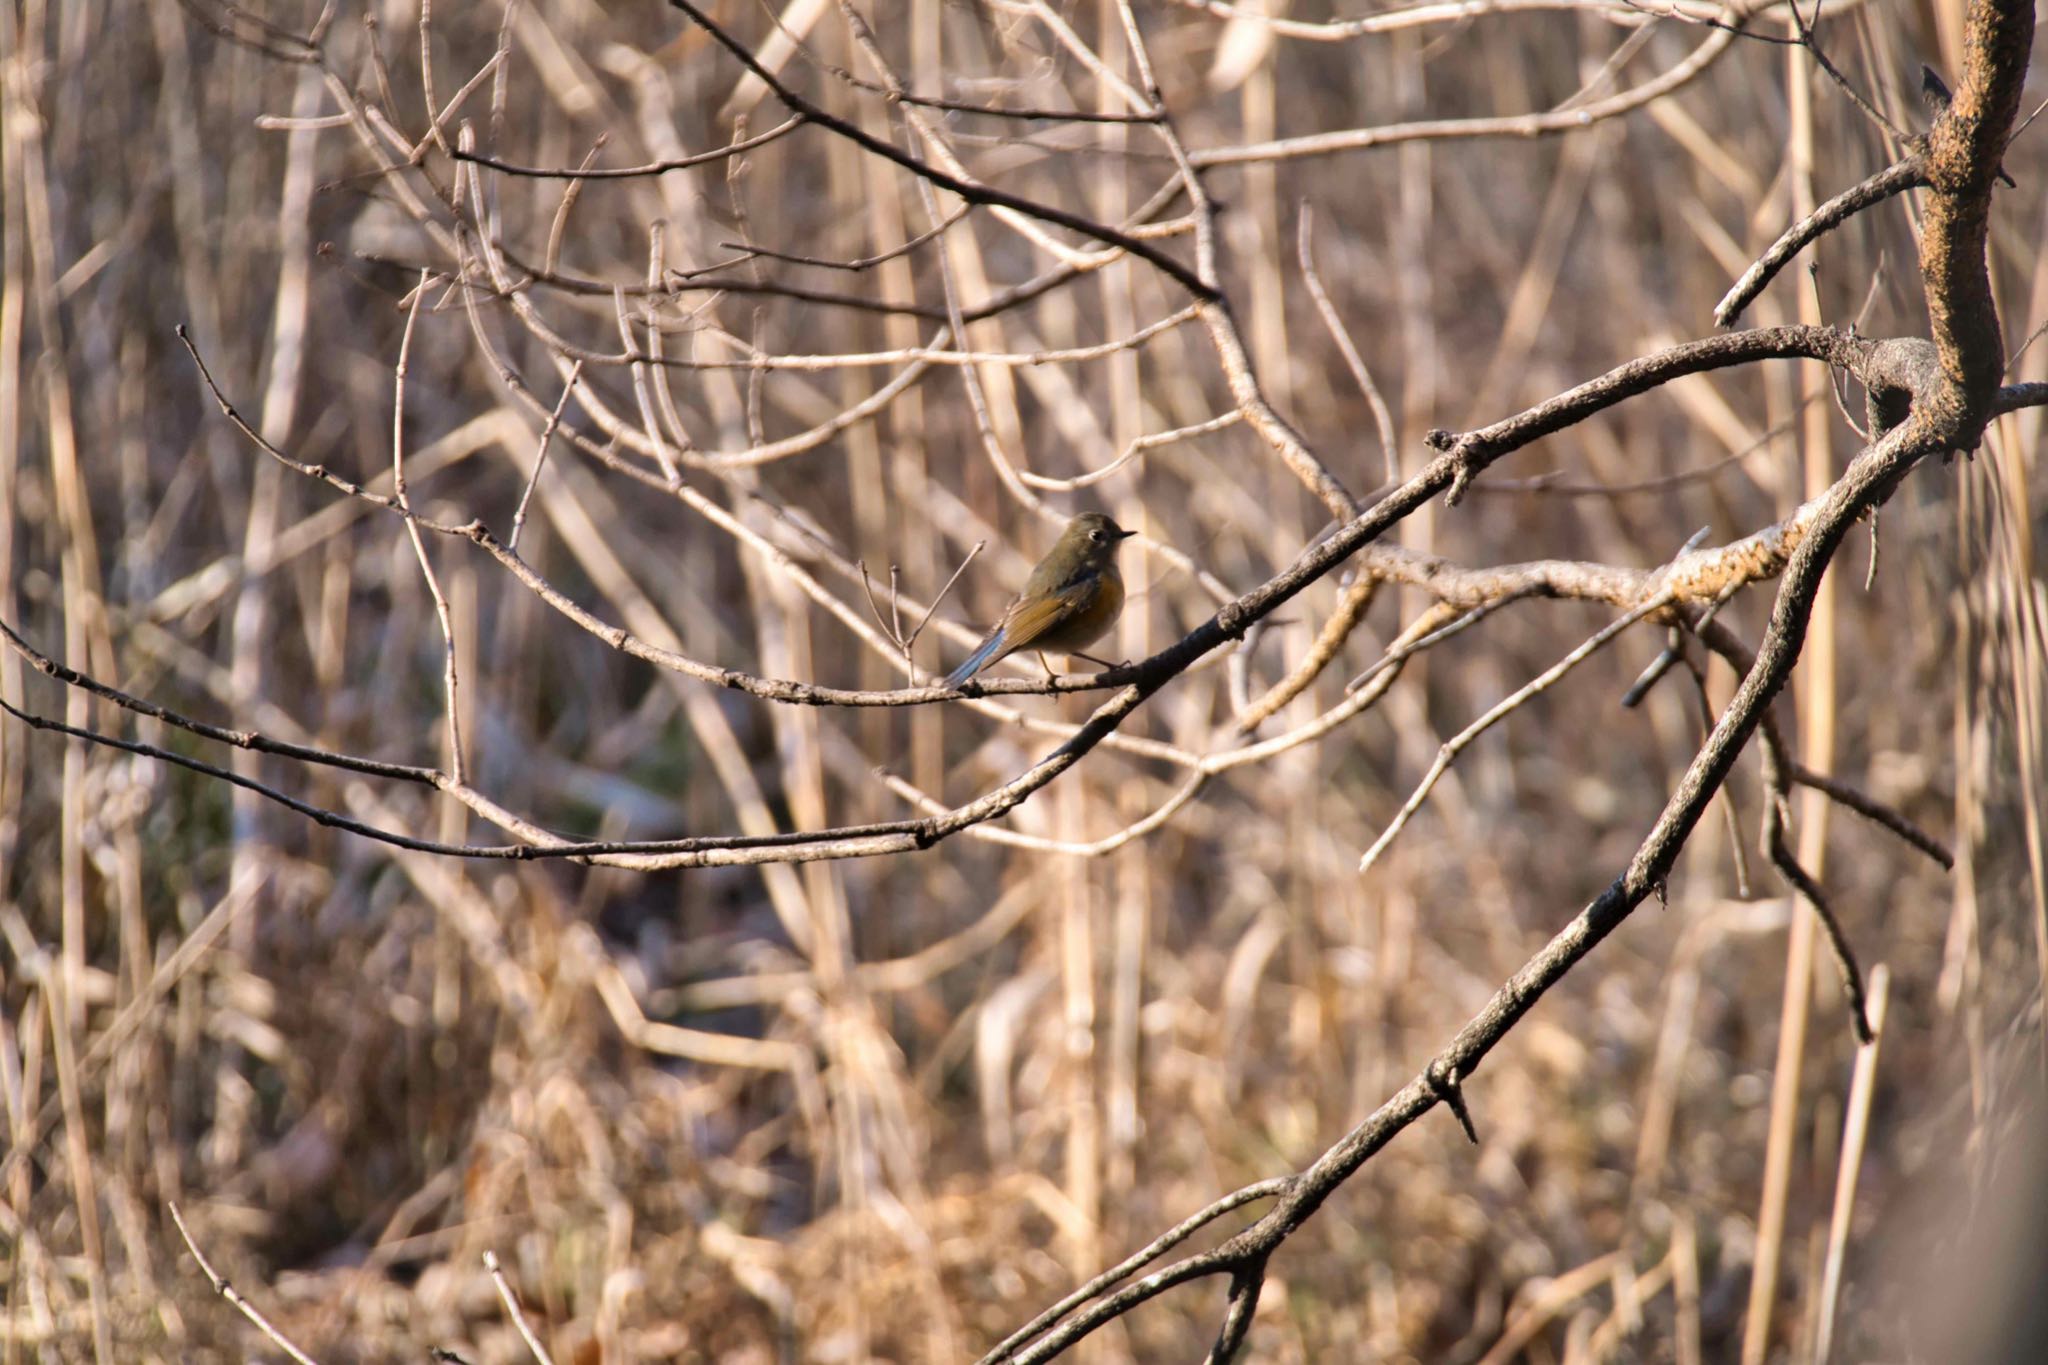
<point x="1832" y="345"/>
<point x="1893" y="180"/>
<point x="1842" y="794"/>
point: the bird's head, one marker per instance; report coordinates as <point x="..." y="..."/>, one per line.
<point x="1093" y="538"/>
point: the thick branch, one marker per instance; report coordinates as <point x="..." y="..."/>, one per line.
<point x="1963" y="152"/>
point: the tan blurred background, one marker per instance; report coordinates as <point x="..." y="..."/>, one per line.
<point x="889" y="1108"/>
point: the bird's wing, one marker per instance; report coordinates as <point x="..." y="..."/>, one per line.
<point x="1055" y="573"/>
<point x="1029" y="622"/>
<point x="1033" y="619"/>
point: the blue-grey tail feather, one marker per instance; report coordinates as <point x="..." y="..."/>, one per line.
<point x="983" y="655"/>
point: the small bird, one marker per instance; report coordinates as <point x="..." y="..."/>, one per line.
<point x="1071" y="598"/>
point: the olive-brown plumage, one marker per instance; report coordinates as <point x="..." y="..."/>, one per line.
<point x="1072" y="597"/>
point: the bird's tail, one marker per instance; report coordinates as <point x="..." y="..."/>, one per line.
<point x="985" y="653"/>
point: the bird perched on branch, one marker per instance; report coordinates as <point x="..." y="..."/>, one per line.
<point x="1072" y="597"/>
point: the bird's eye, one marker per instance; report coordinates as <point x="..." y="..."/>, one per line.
<point x="1095" y="536"/>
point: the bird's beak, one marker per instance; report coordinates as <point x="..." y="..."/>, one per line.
<point x="1123" y="534"/>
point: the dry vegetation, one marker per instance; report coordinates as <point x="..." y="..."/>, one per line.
<point x="888" y="1091"/>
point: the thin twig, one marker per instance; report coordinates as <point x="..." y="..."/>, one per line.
<point x="1809" y="890"/>
<point x="1552" y="122"/>
<point x="1138" y="446"/>
<point x="540" y="457"/>
<point x="450" y="681"/>
<point x="1893" y="180"/>
<point x="1810" y="40"/>
<point x="862" y="263"/>
<point x="587" y="172"/>
<point x="1731" y="821"/>
<point x="1447" y="754"/>
<point x="1674" y="649"/>
<point x="558" y="227"/>
<point x="1870" y="809"/>
<point x="1131" y="1265"/>
<point x="234" y="1296"/>
<point x="930" y="175"/>
<point x="241" y="739"/>
<point x="511" y="1302"/>
<point x="940" y="596"/>
<point x="1382" y="418"/>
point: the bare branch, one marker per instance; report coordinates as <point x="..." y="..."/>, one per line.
<point x="1893" y="180"/>
<point x="1844" y="794"/>
<point x="1448" y="753"/>
<point x="927" y="174"/>
<point x="1571" y="120"/>
<point x="512" y="1309"/>
<point x="540" y="456"/>
<point x="230" y="1293"/>
<point x="1776" y="814"/>
<point x="1383" y="420"/>
<point x="450" y="682"/>
<point x="588" y="172"/>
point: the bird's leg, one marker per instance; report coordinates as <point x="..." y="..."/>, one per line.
<point x="1100" y="663"/>
<point x="1044" y="664"/>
